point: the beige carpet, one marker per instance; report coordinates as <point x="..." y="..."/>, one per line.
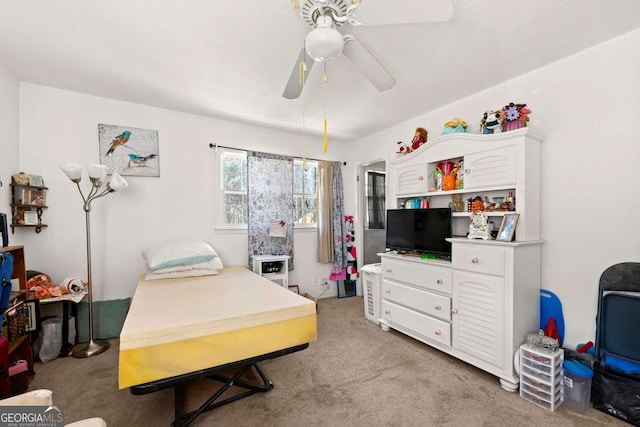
<point x="353" y="375"/>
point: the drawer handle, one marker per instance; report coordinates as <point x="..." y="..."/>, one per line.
<point x="475" y="260"/>
<point x="420" y="178"/>
<point x="387" y="291"/>
<point x="467" y="171"/>
<point x="438" y="332"/>
<point x="454" y="311"/>
<point x="438" y="307"/>
<point x="439" y="281"/>
<point x="388" y="269"/>
<point x="387" y="312"/>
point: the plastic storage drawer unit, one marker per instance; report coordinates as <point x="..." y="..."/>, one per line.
<point x="541" y="376"/>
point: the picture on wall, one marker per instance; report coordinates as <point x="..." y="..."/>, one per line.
<point x="129" y="151"/>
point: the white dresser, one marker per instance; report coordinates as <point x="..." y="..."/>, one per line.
<point x="480" y="306"/>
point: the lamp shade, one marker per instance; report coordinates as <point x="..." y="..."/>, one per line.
<point x="117" y="182"/>
<point x="324" y="42"/>
<point x="97" y="171"/>
<point x="72" y="170"/>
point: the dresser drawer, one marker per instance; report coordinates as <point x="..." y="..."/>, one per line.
<point x="421" y="324"/>
<point x="423" y="276"/>
<point x="418" y="299"/>
<point x="479" y="259"/>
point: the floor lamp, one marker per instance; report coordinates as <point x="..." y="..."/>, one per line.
<point x="97" y="175"/>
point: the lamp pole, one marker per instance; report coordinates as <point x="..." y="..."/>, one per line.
<point x="92" y="347"/>
<point x="97" y="174"/>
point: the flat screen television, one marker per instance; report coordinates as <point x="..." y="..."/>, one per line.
<point x="419" y="230"/>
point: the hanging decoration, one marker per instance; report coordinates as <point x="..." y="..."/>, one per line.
<point x="302" y="69"/>
<point x="325" y="140"/>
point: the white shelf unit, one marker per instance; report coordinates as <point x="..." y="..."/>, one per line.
<point x="541" y="376"/>
<point x="480" y="306"/>
<point x="493" y="165"/>
<point x="262" y="264"/>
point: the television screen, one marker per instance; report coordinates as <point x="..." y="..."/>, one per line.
<point x="419" y="230"/>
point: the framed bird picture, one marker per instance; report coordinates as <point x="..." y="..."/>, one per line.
<point x="129" y="151"/>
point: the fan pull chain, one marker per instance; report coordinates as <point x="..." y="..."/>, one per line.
<point x="302" y="68"/>
<point x="325" y="141"/>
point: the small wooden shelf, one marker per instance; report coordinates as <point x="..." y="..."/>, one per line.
<point x="27" y="199"/>
<point x="38" y="227"/>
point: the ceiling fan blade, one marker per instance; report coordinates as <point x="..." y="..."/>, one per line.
<point x="293" y="88"/>
<point x="406" y="12"/>
<point x="367" y="64"/>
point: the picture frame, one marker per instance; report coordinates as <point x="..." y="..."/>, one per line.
<point x="30" y="218"/>
<point x="33" y="197"/>
<point x="129" y="151"/>
<point x="36" y="181"/>
<point x="32" y="315"/>
<point x="507" y="230"/>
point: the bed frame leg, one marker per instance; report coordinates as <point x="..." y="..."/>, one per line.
<point x="183" y="420"/>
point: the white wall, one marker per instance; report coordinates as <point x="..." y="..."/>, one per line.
<point x="587" y="106"/>
<point x="9" y="137"/>
<point x="58" y="126"/>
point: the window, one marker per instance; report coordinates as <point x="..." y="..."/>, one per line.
<point x="375" y="200"/>
<point x="233" y="186"/>
<point x="233" y="183"/>
<point x="305" y="191"/>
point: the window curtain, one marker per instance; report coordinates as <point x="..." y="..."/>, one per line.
<point x="376" y="200"/>
<point x="331" y="240"/>
<point x="269" y="198"/>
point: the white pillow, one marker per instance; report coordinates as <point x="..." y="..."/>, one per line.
<point x="178" y="253"/>
<point x="215" y="264"/>
<point x="152" y="275"/>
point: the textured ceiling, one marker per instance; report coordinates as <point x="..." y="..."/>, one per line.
<point x="231" y="59"/>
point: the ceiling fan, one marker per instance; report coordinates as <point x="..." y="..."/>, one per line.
<point x="326" y="43"/>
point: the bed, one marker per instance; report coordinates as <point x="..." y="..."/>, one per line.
<point x="218" y="326"/>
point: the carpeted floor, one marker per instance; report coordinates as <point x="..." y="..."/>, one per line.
<point x="353" y="375"/>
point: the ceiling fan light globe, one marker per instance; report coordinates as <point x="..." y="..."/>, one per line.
<point x="324" y="44"/>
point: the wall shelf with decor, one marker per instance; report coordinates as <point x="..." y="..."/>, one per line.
<point x="28" y="200"/>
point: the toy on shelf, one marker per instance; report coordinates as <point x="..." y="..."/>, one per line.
<point x="420" y="138"/>
<point x="514" y="116"/>
<point x="479" y="227"/>
<point x="477" y="204"/>
<point x="491" y="122"/>
<point x="402" y="149"/>
<point x="455" y="126"/>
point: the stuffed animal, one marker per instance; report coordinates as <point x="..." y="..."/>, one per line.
<point x="419" y="138"/>
<point x="491" y="122"/>
<point x="403" y="149"/>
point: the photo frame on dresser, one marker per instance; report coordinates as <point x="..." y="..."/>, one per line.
<point x="507" y="230"/>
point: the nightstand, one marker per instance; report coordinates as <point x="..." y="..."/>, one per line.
<point x="273" y="267"/>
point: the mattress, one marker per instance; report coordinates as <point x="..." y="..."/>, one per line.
<point x="178" y="326"/>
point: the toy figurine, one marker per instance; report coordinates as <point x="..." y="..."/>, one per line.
<point x="403" y="149"/>
<point x="419" y="138"/>
<point x="477" y="204"/>
<point x="491" y="122"/>
<point x="479" y="227"/>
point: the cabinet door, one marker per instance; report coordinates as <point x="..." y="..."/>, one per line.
<point x="492" y="168"/>
<point x="478" y="316"/>
<point x="411" y="179"/>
